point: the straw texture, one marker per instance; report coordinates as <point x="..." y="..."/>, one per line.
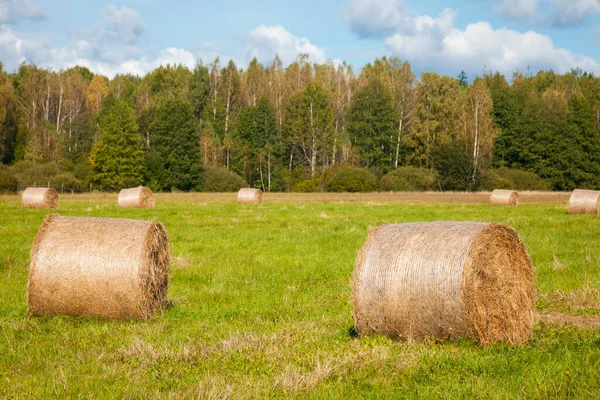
<point x="502" y="197"/>
<point x="99" y="267"/>
<point x="39" y="197"/>
<point x="249" y="196"/>
<point x="584" y="202"/>
<point x="138" y="197"/>
<point x="433" y="280"/>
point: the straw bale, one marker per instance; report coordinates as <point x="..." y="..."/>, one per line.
<point x="444" y="279"/>
<point x="249" y="196"/>
<point x="502" y="197"/>
<point x="138" y="197"/>
<point x="99" y="267"/>
<point x="39" y="197"/>
<point x="584" y="202"/>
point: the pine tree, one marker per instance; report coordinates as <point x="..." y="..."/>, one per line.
<point x="372" y="126"/>
<point x="175" y="147"/>
<point x="117" y="158"/>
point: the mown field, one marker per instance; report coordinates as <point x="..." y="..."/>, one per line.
<point x="261" y="307"/>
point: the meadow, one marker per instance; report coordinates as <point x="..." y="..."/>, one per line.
<point x="261" y="306"/>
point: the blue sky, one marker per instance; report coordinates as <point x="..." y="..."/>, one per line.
<point x="136" y="36"/>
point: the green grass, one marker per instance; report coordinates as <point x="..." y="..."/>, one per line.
<point x="261" y="308"/>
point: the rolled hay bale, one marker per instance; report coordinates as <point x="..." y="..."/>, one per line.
<point x="249" y="196"/>
<point x="99" y="267"/>
<point x="584" y="202"/>
<point x="444" y="279"/>
<point x="502" y="197"/>
<point x="39" y="197"/>
<point x="138" y="197"/>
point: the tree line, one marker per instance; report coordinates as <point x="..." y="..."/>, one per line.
<point x="301" y="127"/>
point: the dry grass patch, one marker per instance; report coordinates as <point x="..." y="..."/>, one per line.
<point x="562" y="320"/>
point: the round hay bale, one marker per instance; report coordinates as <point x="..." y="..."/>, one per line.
<point x="138" y="197"/>
<point x="39" y="197"/>
<point x="502" y="197"/>
<point x="99" y="267"/>
<point x="249" y="196"/>
<point x="444" y="279"/>
<point x="584" y="202"/>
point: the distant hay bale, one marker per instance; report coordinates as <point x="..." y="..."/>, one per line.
<point x="502" y="197"/>
<point x="249" y="196"/>
<point x="99" y="267"/>
<point x="138" y="197"/>
<point x="39" y="197"/>
<point x="584" y="202"/>
<point x="444" y="279"/>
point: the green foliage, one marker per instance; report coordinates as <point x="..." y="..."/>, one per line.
<point x="117" y="159"/>
<point x="453" y="166"/>
<point x="8" y="183"/>
<point x="65" y="181"/>
<point x="309" y="186"/>
<point x="30" y="174"/>
<point x="350" y="179"/>
<point x="219" y="179"/>
<point x="175" y="147"/>
<point x="409" y="179"/>
<point x="504" y="178"/>
<point x="372" y="125"/>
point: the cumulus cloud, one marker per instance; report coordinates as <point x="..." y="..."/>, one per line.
<point x="480" y="46"/>
<point x="375" y="18"/>
<point x="13" y="10"/>
<point x="265" y="42"/>
<point x="123" y="23"/>
<point x="555" y="13"/>
<point x="15" y="49"/>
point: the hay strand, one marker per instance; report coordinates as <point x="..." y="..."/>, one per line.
<point x="138" y="197"/>
<point x="584" y="202"/>
<point x="249" y="196"/>
<point x="502" y="197"/>
<point x="99" y="267"/>
<point x="434" y="280"/>
<point x="39" y="197"/>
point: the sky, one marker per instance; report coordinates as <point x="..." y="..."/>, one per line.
<point x="136" y="36"/>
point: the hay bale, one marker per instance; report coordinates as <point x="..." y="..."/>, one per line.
<point x="249" y="196"/>
<point x="584" y="202"/>
<point x="502" y="197"/>
<point x="39" y="197"/>
<point x="138" y="197"/>
<point x="440" y="279"/>
<point x="100" y="267"/>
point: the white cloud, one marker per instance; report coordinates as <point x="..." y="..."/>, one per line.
<point x="15" y="49"/>
<point x="265" y="42"/>
<point x="13" y="10"/>
<point x="375" y="18"/>
<point x="554" y="13"/>
<point x="124" y="24"/>
<point x="479" y="46"/>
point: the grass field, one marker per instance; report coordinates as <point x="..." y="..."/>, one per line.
<point x="261" y="307"/>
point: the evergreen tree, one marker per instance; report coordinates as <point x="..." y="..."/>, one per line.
<point x="174" y="156"/>
<point x="372" y="126"/>
<point x="117" y="158"/>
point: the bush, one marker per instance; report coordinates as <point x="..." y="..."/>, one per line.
<point x="505" y="178"/>
<point x="66" y="181"/>
<point x="408" y="179"/>
<point x="309" y="186"/>
<point x="350" y="179"/>
<point x="222" y="180"/>
<point x="28" y="173"/>
<point x="8" y="183"/>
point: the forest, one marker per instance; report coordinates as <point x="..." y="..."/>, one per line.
<point x="304" y="127"/>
